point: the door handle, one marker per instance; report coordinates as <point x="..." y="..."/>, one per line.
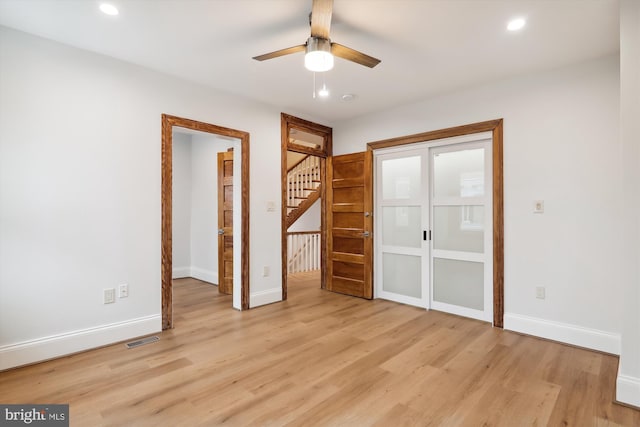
<point x="221" y="231"/>
<point x="365" y="234"/>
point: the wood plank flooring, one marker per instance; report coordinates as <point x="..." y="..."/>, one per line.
<point x="322" y="359"/>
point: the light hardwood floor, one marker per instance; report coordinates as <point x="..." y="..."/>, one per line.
<point x="326" y="359"/>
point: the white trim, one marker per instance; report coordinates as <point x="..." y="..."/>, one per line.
<point x="265" y="297"/>
<point x="53" y="346"/>
<point x="594" y="339"/>
<point x="628" y="389"/>
<point x="180" y="272"/>
<point x="204" y="275"/>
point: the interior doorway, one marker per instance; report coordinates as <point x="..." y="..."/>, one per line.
<point x="240" y="205"/>
<point x="202" y="216"/>
<point x="304" y="212"/>
<point x="305" y="148"/>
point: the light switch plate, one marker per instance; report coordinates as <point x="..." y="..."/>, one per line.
<point x="109" y="296"/>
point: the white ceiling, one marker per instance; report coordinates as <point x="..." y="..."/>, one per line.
<point x="427" y="47"/>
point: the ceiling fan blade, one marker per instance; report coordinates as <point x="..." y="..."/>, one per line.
<point x="321" y="11"/>
<point x="353" y="55"/>
<point x="281" y="52"/>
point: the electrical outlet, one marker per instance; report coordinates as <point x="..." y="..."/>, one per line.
<point x="123" y="290"/>
<point x="538" y="206"/>
<point x="109" y="296"/>
<point x="540" y="294"/>
<point x="265" y="271"/>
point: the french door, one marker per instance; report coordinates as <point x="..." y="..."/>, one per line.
<point x="434" y="225"/>
<point x="402" y="262"/>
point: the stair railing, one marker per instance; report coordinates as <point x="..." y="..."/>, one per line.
<point x="301" y="179"/>
<point x="303" y="251"/>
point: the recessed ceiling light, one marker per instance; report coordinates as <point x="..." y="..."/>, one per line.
<point x="516" y="24"/>
<point x="109" y="9"/>
<point x="348" y="97"/>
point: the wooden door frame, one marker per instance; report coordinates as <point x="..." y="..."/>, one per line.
<point x="168" y="122"/>
<point x="288" y="122"/>
<point x="496" y="129"/>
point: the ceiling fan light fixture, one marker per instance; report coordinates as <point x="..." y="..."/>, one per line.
<point x="318" y="57"/>
<point x="323" y="92"/>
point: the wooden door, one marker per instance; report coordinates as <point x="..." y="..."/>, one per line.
<point x="225" y="222"/>
<point x="350" y="224"/>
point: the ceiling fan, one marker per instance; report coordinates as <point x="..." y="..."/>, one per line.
<point x="319" y="48"/>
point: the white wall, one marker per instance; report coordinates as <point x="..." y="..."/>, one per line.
<point x="181" y="205"/>
<point x="560" y="145"/>
<point x="310" y="220"/>
<point x="628" y="382"/>
<point x="204" y="205"/>
<point x="80" y="194"/>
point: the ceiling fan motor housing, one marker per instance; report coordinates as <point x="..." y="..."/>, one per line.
<point x="318" y="55"/>
<point x="317" y="44"/>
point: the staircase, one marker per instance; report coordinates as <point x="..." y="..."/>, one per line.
<point x="303" y="187"/>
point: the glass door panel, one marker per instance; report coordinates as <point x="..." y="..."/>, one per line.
<point x="401" y="178"/>
<point x="459" y="283"/>
<point x="458" y="173"/>
<point x="402" y="274"/>
<point x="460" y="228"/>
<point x="401" y="226"/>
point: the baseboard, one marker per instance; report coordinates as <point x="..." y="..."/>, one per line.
<point x="628" y="390"/>
<point x="265" y="297"/>
<point x="180" y="272"/>
<point x="50" y="347"/>
<point x="594" y="339"/>
<point x="204" y="275"/>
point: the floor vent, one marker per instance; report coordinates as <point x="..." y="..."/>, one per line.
<point x="143" y="341"/>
